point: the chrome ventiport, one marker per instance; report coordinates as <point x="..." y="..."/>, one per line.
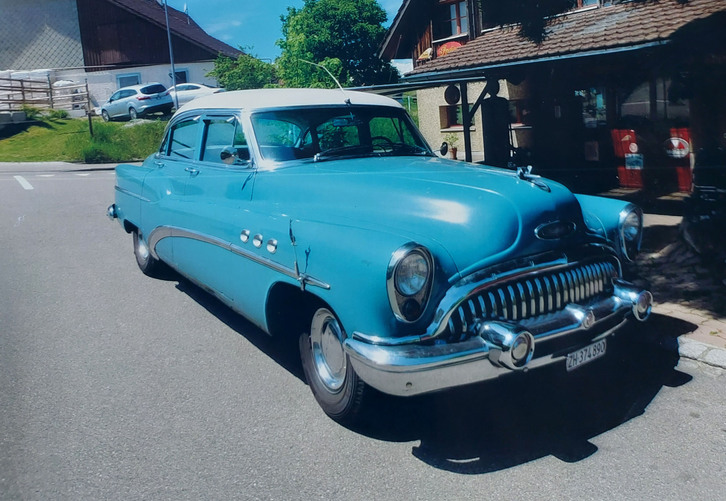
<point x="511" y="346"/>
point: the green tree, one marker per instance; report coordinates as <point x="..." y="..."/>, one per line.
<point x="245" y="72"/>
<point x="341" y="35"/>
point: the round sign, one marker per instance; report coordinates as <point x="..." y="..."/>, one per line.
<point x="677" y="147"/>
<point x="452" y="94"/>
<point x="633" y="147"/>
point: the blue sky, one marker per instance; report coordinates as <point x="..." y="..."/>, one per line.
<point x="253" y="23"/>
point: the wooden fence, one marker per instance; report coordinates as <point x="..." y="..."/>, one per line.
<point x="40" y="93"/>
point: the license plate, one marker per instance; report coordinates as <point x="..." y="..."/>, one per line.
<point x="585" y="355"/>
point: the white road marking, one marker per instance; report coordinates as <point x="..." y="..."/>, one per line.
<point x="84" y="174"/>
<point x="46" y="175"/>
<point x="23" y="182"/>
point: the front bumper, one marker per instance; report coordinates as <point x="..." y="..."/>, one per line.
<point x="410" y="367"/>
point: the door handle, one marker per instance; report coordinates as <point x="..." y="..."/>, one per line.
<point x="192" y="171"/>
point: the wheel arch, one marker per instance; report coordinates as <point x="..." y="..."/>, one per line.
<point x="288" y="310"/>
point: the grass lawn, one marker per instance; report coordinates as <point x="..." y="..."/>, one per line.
<point x="69" y="140"/>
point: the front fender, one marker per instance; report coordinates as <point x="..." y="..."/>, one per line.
<point x="353" y="262"/>
<point x="604" y="217"/>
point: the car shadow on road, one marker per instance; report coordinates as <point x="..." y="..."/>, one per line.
<point x="286" y="355"/>
<point x="500" y="424"/>
<point x="496" y="425"/>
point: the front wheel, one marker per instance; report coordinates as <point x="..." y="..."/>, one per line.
<point x="148" y="264"/>
<point x="328" y="371"/>
<point x="106" y="117"/>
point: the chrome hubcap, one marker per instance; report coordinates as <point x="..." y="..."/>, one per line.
<point x="329" y="358"/>
<point x="142" y="249"/>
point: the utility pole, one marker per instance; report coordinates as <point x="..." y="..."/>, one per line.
<point x="171" y="56"/>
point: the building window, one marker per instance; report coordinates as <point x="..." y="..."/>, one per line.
<point x="520" y="112"/>
<point x="452" y="117"/>
<point x="452" y="19"/>
<point x="182" y="76"/>
<point x="593" y="107"/>
<point x="128" y="80"/>
<point x="590" y="3"/>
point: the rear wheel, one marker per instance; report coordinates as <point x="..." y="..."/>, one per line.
<point x="329" y="373"/>
<point x="133" y="113"/>
<point x="148" y="264"/>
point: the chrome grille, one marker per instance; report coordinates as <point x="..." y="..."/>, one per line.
<point x="531" y="295"/>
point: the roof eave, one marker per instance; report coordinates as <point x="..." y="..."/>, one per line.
<point x="472" y="72"/>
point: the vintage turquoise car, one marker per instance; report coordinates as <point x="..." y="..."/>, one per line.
<point x="324" y="217"/>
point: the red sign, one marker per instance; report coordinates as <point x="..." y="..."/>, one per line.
<point x="677" y="147"/>
<point x="447" y="47"/>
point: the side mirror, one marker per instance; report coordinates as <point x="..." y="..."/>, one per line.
<point x="444" y="148"/>
<point x="229" y="155"/>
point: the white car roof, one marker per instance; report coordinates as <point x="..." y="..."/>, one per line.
<point x="283" y="98"/>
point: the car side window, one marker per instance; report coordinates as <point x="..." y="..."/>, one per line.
<point x="222" y="134"/>
<point x="183" y="138"/>
<point x="277" y="138"/>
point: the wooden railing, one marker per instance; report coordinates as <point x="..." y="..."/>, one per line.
<point x="39" y="93"/>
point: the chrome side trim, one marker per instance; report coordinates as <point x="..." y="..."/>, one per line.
<point x="131" y="194"/>
<point x="163" y="232"/>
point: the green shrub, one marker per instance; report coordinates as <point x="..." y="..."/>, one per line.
<point x="57" y="114"/>
<point x="31" y="112"/>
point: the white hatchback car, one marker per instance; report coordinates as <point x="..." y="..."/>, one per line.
<point x="185" y="92"/>
<point x="137" y="100"/>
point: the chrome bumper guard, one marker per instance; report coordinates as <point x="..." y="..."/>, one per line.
<point x="111" y="212"/>
<point x="410" y="367"/>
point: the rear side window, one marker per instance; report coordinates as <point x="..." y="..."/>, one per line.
<point x="182" y="139"/>
<point x="222" y="134"/>
<point x="153" y="89"/>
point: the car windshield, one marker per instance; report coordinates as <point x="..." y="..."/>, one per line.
<point x="324" y="133"/>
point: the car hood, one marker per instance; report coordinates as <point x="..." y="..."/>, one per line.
<point x="477" y="215"/>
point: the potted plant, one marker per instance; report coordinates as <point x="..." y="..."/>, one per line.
<point x="452" y="140"/>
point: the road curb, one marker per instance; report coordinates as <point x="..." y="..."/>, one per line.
<point x="702" y="352"/>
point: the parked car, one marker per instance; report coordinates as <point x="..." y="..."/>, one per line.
<point x="137" y="101"/>
<point x="323" y="215"/>
<point x="187" y="91"/>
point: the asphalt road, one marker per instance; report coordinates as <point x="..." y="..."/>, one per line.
<point x="117" y="386"/>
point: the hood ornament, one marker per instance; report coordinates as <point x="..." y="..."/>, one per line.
<point x="525" y="174"/>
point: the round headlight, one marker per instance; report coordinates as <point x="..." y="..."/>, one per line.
<point x="631" y="227"/>
<point x="631" y="231"/>
<point x="411" y="274"/>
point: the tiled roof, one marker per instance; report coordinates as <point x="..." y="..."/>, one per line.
<point x="613" y="27"/>
<point x="180" y="25"/>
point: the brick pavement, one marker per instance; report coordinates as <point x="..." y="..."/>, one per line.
<point x="689" y="291"/>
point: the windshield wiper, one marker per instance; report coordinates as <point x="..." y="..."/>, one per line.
<point x="343" y="151"/>
<point x="410" y="149"/>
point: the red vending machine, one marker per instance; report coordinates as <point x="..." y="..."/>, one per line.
<point x="630" y="161"/>
<point x="629" y="158"/>
<point x="678" y="148"/>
